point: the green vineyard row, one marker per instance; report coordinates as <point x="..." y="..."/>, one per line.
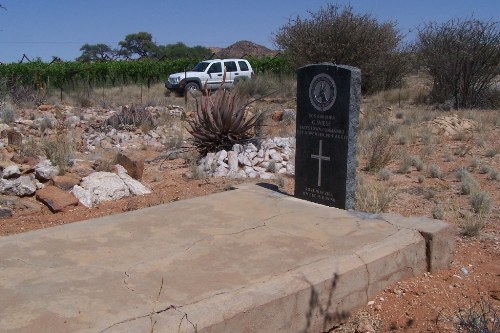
<point x="61" y="74"/>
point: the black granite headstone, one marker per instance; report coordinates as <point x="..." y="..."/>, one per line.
<point x="328" y="98"/>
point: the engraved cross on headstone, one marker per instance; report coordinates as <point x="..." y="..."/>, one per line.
<point x="320" y="158"/>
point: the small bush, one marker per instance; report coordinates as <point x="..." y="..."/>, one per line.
<point x="405" y="164"/>
<point x="271" y="167"/>
<point x="467" y="182"/>
<point x="493" y="175"/>
<point x="135" y="116"/>
<point x="417" y="163"/>
<point x="30" y="147"/>
<point x="280" y="180"/>
<point x="480" y="203"/>
<point x="492" y="152"/>
<point x="468" y="185"/>
<point x="379" y="149"/>
<point x="421" y="179"/>
<point x="471" y="227"/>
<point x="426" y="136"/>
<point x="474" y="163"/>
<point x="438" y="212"/>
<point x="8" y="113"/>
<point x="462" y="173"/>
<point x="485" y="169"/>
<point x="46" y="123"/>
<point x="384" y="174"/>
<point x="435" y="171"/>
<point x="479" y="317"/>
<point x="59" y="151"/>
<point x="373" y="197"/>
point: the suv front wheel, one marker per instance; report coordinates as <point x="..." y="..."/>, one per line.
<point x="192" y="87"/>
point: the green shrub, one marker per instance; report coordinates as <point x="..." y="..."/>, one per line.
<point x="339" y="35"/>
<point x="448" y="49"/>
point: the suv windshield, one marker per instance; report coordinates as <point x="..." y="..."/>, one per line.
<point x="201" y="66"/>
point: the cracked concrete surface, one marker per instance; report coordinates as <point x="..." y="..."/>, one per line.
<point x="246" y="260"/>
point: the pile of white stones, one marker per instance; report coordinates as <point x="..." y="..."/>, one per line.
<point x="274" y="156"/>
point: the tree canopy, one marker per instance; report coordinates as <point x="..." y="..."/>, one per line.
<point x="96" y="52"/>
<point x="463" y="58"/>
<point x="141" y="45"/>
<point x="339" y="35"/>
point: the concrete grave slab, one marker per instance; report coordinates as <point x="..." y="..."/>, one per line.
<point x="247" y="260"/>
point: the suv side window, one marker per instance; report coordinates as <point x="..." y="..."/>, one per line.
<point x="243" y="66"/>
<point x="230" y="66"/>
<point x="215" y="68"/>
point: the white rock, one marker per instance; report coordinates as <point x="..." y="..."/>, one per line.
<point x="153" y="134"/>
<point x="83" y="195"/>
<point x="244" y="160"/>
<point x="232" y="160"/>
<point x="220" y="171"/>
<point x="265" y="164"/>
<point x="257" y="160"/>
<point x="267" y="175"/>
<point x="221" y="155"/>
<point x="233" y="174"/>
<point x="135" y="187"/>
<point x="209" y="161"/>
<point x="72" y="121"/>
<point x="253" y="174"/>
<point x="222" y="163"/>
<point x="261" y="153"/>
<point x="11" y="171"/>
<point x="45" y="170"/>
<point x="275" y="156"/>
<point x="290" y="169"/>
<point x="259" y="169"/>
<point x="238" y="148"/>
<point x="248" y="169"/>
<point x="242" y="174"/>
<point x="105" y="186"/>
<point x="282" y="171"/>
<point x="251" y="148"/>
<point x="21" y="186"/>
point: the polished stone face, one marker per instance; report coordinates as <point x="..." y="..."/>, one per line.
<point x="328" y="99"/>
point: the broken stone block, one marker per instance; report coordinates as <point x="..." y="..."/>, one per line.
<point x="56" y="199"/>
<point x="133" y="162"/>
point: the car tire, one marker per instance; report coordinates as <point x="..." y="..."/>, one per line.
<point x="192" y="87"/>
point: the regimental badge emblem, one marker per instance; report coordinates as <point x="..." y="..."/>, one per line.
<point x="322" y="92"/>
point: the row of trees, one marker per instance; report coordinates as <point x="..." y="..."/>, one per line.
<point x="140" y="45"/>
<point x="462" y="55"/>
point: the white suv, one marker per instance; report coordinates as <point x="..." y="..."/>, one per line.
<point x="211" y="73"/>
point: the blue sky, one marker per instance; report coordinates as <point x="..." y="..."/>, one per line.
<point x="46" y="28"/>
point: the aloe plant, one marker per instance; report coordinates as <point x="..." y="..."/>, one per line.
<point x="220" y="121"/>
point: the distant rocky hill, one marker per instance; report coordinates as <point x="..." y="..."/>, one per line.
<point x="243" y="49"/>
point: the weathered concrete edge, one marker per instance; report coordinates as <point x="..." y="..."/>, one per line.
<point x="439" y="237"/>
<point x="311" y="298"/>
